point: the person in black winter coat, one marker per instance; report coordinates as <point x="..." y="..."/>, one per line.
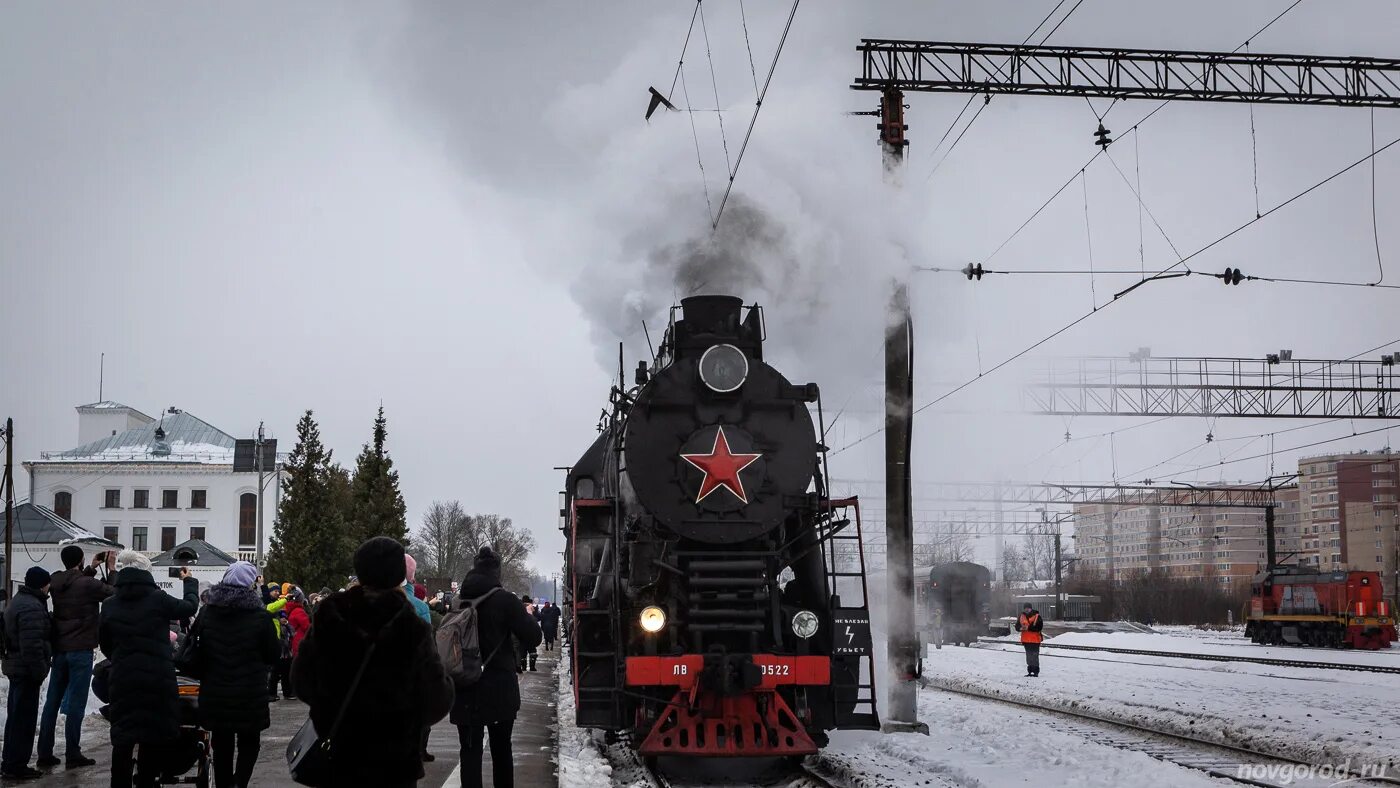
<point x="134" y="633"/>
<point x="404" y="687"/>
<point x="490" y="705"/>
<point x="28" y="631"/>
<point x="76" y="594"/>
<point x="236" y="646"/>
<point x="528" y="653"/>
<point x="549" y="625"/>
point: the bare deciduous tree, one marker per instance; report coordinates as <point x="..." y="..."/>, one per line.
<point x="514" y="546"/>
<point x="440" y="540"/>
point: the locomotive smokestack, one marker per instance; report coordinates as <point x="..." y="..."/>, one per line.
<point x="711" y="314"/>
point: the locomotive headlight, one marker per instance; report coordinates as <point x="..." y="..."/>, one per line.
<point x="724" y="368"/>
<point x="653" y="619"/>
<point x="804" y="624"/>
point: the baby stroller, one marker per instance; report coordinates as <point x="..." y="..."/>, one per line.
<point x="187" y="761"/>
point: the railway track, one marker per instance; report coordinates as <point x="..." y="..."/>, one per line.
<point x="1288" y="663"/>
<point x="1238" y="764"/>
<point x="630" y="770"/>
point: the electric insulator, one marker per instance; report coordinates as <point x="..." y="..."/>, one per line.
<point x="971" y="271"/>
<point x="1232" y="276"/>
<point x="1103" y="140"/>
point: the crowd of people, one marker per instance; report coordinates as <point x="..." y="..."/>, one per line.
<point x="365" y="657"/>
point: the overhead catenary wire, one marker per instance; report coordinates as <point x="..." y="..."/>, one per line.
<point x="1135" y="128"/>
<point x="1089" y="240"/>
<point x="758" y="106"/>
<point x="1375" y="228"/>
<point x="988" y="98"/>
<point x="1254" y="147"/>
<point x="1179" y="263"/>
<point x="699" y="159"/>
<point x="705" y="32"/>
<point x="1353" y="434"/>
<point x="744" y="22"/>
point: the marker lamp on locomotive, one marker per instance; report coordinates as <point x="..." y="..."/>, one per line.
<point x="804" y="624"/>
<point x="724" y="368"/>
<point x="653" y="619"/>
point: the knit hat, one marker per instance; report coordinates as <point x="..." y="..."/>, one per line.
<point x="241" y="574"/>
<point x="410" y="566"/>
<point x="420" y="590"/>
<point x="287" y="588"/>
<point x="379" y="563"/>
<point x="277" y="586"/>
<point x="486" y="559"/>
<point x="37" y="577"/>
<point x="72" y="555"/>
<point x="130" y="559"/>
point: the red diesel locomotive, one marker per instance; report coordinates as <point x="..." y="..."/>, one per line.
<point x="717" y="591"/>
<point x="1304" y="607"/>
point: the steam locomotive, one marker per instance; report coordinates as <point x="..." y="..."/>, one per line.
<point x="1302" y="606"/>
<point x="717" y="591"/>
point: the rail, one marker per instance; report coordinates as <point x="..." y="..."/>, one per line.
<point x="1287" y="663"/>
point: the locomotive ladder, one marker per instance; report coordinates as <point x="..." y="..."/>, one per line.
<point x="596" y="705"/>
<point x="864" y="713"/>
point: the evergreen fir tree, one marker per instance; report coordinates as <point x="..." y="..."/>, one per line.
<point x="310" y="546"/>
<point x="378" y="508"/>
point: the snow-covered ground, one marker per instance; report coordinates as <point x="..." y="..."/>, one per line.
<point x="981" y="743"/>
<point x="1312" y="714"/>
<point x="581" y="764"/>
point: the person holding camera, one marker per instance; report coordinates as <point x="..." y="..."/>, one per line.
<point x="76" y="593"/>
<point x="134" y="633"/>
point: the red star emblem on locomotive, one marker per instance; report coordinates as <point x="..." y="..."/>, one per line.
<point x="721" y="468"/>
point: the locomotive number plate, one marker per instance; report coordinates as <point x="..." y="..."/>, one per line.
<point x="851" y="632"/>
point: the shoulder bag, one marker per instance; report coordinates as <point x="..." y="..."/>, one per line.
<point x="309" y="753"/>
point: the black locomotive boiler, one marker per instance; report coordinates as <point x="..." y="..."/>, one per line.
<point x="717" y="591"/>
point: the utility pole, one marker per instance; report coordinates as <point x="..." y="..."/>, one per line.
<point x="903" y="643"/>
<point x="1112" y="567"/>
<point x="258" y="458"/>
<point x="9" y="503"/>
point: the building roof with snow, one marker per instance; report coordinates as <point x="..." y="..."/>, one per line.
<point x="176" y="437"/>
<point x="109" y="405"/>
<point x="36" y="524"/>
<point x="193" y="552"/>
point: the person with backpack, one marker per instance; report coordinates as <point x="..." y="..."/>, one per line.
<point x="488" y="692"/>
<point x="371" y="657"/>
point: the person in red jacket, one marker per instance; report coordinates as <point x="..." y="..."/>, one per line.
<point x="297" y="618"/>
<point x="1029" y="625"/>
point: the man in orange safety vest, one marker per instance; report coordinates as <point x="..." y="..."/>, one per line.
<point x="1029" y="625"/>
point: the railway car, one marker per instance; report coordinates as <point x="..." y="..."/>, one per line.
<point x="957" y="595"/>
<point x="1304" y="607"/>
<point x="717" y="590"/>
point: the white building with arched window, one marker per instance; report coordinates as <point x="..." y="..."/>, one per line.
<point x="153" y="483"/>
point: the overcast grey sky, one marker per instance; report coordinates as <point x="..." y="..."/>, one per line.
<point x="456" y="209"/>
